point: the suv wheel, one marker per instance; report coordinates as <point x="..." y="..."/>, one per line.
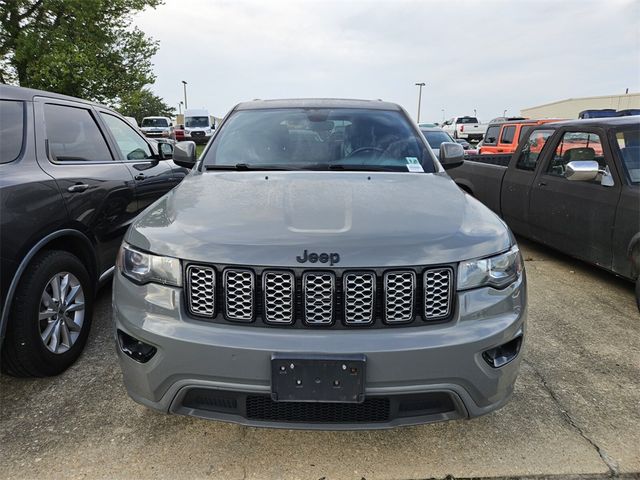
<point x="50" y="316"/>
<point x="638" y="292"/>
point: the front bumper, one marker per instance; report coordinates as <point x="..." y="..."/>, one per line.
<point x="419" y="374"/>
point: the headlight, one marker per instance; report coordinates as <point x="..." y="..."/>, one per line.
<point x="144" y="267"/>
<point x="498" y="271"/>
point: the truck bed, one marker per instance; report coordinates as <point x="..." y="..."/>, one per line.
<point x="481" y="176"/>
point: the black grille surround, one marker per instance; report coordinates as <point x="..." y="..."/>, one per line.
<point x="338" y="321"/>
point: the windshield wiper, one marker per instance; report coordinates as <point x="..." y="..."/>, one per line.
<point x="365" y="168"/>
<point x="247" y="166"/>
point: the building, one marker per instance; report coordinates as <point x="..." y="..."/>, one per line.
<point x="571" y="107"/>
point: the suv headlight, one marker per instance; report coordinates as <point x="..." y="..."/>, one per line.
<point x="144" y="267"/>
<point x="498" y="271"/>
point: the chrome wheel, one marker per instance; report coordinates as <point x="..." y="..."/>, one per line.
<point x="61" y="312"/>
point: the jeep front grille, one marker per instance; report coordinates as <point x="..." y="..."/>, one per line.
<point x="437" y="293"/>
<point x="201" y="282"/>
<point x="320" y="298"/>
<point x="359" y="306"/>
<point x="238" y="294"/>
<point x="400" y="287"/>
<point x="319" y="292"/>
<point x="278" y="291"/>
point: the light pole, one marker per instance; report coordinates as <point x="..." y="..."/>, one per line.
<point x="419" y="85"/>
<point x="474" y="113"/>
<point x="184" y="84"/>
<point x="180" y="103"/>
<point x="504" y="114"/>
<point x="442" y="109"/>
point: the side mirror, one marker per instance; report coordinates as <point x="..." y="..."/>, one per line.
<point x="170" y="124"/>
<point x="165" y="151"/>
<point x="181" y="126"/>
<point x="451" y="155"/>
<point x="184" y="154"/>
<point x="582" y="170"/>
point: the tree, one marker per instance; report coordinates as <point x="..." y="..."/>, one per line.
<point x="83" y="48"/>
<point x="143" y="103"/>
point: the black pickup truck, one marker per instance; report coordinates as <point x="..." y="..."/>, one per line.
<point x="572" y="185"/>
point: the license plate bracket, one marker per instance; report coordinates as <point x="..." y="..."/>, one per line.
<point x="318" y="378"/>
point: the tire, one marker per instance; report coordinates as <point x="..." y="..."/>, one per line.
<point x="25" y="353"/>
<point x="638" y="293"/>
<point x="455" y="134"/>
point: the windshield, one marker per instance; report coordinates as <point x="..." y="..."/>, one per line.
<point x="435" y="138"/>
<point x="319" y="138"/>
<point x="628" y="142"/>
<point x="155" y="122"/>
<point x="196" y="122"/>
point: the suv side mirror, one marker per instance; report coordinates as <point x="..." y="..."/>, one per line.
<point x="451" y="155"/>
<point x="165" y="150"/>
<point x="184" y="154"/>
<point x="582" y="170"/>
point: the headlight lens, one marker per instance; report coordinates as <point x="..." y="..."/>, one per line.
<point x="144" y="267"/>
<point x="498" y="271"/>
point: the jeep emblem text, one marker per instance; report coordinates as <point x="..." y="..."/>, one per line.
<point x="312" y="257"/>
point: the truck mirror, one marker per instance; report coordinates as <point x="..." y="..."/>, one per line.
<point x="582" y="170"/>
<point x="184" y="154"/>
<point x="451" y="155"/>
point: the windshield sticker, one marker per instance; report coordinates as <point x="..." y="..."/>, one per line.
<point x="413" y="165"/>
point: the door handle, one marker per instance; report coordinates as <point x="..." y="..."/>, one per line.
<point x="78" y="187"/>
<point x="542" y="184"/>
<point x="140" y="177"/>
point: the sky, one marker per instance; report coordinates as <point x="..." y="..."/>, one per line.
<point x="489" y="56"/>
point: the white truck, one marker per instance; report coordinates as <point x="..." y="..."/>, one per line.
<point x="156" y="127"/>
<point x="197" y="125"/>
<point x="465" y="127"/>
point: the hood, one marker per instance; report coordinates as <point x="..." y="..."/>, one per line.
<point x="369" y="219"/>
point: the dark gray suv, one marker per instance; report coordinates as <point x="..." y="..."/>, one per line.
<point x="319" y="269"/>
<point x="73" y="176"/>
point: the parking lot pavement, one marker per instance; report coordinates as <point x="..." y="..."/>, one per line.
<point x="575" y="411"/>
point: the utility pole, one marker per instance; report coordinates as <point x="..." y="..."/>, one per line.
<point x="442" y="109"/>
<point x="419" y="85"/>
<point x="180" y="103"/>
<point x="474" y="113"/>
<point x="184" y="84"/>
<point x="504" y="114"/>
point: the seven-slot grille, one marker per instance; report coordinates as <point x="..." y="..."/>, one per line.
<point x="319" y="297"/>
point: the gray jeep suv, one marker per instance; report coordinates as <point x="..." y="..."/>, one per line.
<point x="319" y="269"/>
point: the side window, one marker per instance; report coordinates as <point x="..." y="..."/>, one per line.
<point x="132" y="145"/>
<point x="628" y="143"/>
<point x="531" y="150"/>
<point x="11" y="130"/>
<point x="508" y="132"/>
<point x="576" y="146"/>
<point x="74" y="135"/>
<point x="491" y="137"/>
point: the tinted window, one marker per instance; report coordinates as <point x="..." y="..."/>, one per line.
<point x="11" y="130"/>
<point x="435" y="138"/>
<point x="508" y="132"/>
<point x="319" y="138"/>
<point x="576" y="146"/>
<point x="74" y="135"/>
<point x="491" y="137"/>
<point x="196" y="122"/>
<point x="155" y="122"/>
<point x="628" y="143"/>
<point x="131" y="145"/>
<point x="531" y="151"/>
<point x="467" y="120"/>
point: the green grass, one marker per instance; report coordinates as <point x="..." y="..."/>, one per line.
<point x="199" y="149"/>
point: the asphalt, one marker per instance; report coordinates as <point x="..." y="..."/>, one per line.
<point x="575" y="412"/>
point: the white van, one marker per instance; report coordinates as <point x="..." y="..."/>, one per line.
<point x="197" y="125"/>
